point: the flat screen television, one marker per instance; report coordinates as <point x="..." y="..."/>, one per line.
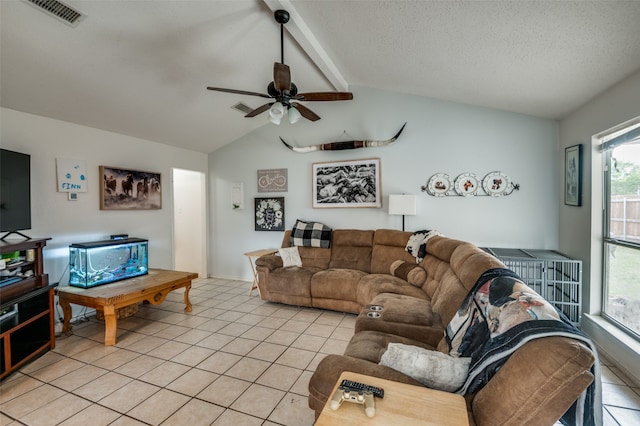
<point x="15" y="192"/>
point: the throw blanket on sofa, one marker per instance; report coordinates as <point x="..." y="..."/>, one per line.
<point x="499" y="315"/>
<point x="417" y="244"/>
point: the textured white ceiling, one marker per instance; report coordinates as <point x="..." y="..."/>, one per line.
<point x="140" y="67"/>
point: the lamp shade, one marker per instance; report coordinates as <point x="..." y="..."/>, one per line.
<point x="402" y="204"/>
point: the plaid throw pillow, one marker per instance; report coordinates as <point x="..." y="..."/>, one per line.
<point x="310" y="234"/>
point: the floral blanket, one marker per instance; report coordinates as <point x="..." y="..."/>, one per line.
<point x="499" y="315"/>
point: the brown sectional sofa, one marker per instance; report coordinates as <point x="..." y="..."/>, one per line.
<point x="536" y="385"/>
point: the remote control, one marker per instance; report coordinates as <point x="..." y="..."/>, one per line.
<point x="357" y="386"/>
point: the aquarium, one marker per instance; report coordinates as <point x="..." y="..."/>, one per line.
<point x="102" y="262"/>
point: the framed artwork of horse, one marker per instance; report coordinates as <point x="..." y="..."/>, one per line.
<point x="124" y="189"/>
<point x="347" y="184"/>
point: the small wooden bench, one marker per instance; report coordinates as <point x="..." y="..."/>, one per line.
<point x="152" y="288"/>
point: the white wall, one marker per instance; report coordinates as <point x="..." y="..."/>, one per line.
<point x="68" y="222"/>
<point x="581" y="227"/>
<point x="440" y="137"/>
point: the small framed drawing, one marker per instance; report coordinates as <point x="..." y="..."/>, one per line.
<point x="573" y="175"/>
<point x="124" y="189"/>
<point x="273" y="180"/>
<point x="353" y="183"/>
<point x="269" y="214"/>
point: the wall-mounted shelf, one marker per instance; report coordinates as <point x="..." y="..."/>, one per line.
<point x="494" y="184"/>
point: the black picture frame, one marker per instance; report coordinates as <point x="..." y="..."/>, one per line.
<point x="269" y="214"/>
<point x="573" y="175"/>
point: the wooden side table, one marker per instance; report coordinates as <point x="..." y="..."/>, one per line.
<point x="402" y="405"/>
<point x="257" y="254"/>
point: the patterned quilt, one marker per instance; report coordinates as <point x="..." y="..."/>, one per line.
<point x="499" y="315"/>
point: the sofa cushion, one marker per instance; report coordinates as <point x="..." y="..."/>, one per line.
<point x="431" y="368"/>
<point x="294" y="281"/>
<point x="351" y="249"/>
<point x="370" y="345"/>
<point x="410" y="272"/>
<point x="389" y="246"/>
<point x="400" y="308"/>
<point x="405" y="316"/>
<point x="338" y="284"/>
<point x="372" y="285"/>
<point x="310" y="234"/>
<point x="290" y="256"/>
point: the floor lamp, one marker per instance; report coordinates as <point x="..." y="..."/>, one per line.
<point x="402" y="204"/>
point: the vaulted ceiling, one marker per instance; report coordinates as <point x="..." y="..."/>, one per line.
<point x="141" y="67"/>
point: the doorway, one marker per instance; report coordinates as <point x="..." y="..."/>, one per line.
<point x="189" y="222"/>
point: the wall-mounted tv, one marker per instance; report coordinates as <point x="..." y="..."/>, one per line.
<point x="15" y="192"/>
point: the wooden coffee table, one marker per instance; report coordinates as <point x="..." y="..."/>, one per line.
<point x="402" y="405"/>
<point x="152" y="288"/>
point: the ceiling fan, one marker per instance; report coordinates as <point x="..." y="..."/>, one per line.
<point x="282" y="90"/>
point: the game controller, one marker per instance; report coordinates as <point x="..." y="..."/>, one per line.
<point x="364" y="397"/>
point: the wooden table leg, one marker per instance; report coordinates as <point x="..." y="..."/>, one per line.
<point x="66" y="309"/>
<point x="187" y="302"/>
<point x="254" y="283"/>
<point x="111" y="325"/>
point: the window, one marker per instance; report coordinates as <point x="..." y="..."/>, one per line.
<point x="621" y="297"/>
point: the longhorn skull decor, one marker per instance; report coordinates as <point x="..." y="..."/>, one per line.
<point x="337" y="146"/>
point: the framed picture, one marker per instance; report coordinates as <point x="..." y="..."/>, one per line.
<point x="347" y="184"/>
<point x="124" y="189"/>
<point x="273" y="180"/>
<point x="573" y="175"/>
<point x="269" y="214"/>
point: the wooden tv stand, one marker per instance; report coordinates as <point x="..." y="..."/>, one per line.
<point x="152" y="288"/>
<point x="26" y="304"/>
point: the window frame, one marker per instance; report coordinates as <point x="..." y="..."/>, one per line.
<point x="607" y="240"/>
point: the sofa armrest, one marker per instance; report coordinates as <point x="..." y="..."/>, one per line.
<point x="537" y="385"/>
<point x="331" y="367"/>
<point x="270" y="261"/>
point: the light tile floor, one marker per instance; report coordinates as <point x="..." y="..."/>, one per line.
<point x="235" y="360"/>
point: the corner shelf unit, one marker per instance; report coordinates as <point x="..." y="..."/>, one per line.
<point x="26" y="306"/>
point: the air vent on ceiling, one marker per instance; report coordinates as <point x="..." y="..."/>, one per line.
<point x="59" y="10"/>
<point x="243" y="108"/>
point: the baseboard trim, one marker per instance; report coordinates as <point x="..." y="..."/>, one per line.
<point x="618" y="346"/>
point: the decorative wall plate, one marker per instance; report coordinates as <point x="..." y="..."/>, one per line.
<point x="439" y="185"/>
<point x="496" y="184"/>
<point x="466" y="184"/>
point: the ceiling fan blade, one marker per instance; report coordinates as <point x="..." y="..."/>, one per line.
<point x="259" y="110"/>
<point x="281" y="77"/>
<point x="306" y="112"/>
<point x="239" y="92"/>
<point x="325" y="96"/>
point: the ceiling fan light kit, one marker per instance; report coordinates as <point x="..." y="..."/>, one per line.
<point x="284" y="91"/>
<point x="294" y="115"/>
<point x="276" y="113"/>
